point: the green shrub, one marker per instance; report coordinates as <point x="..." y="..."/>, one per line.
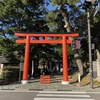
<point x="10" y="73"/>
<point x="1" y="77"/>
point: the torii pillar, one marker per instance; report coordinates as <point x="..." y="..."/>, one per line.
<point x="65" y="63"/>
<point x="26" y="60"/>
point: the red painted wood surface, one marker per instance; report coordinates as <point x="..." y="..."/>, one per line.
<point x="44" y="79"/>
<point x="64" y="41"/>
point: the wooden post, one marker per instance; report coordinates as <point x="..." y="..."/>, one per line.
<point x="26" y="61"/>
<point x="32" y="70"/>
<point x="65" y="65"/>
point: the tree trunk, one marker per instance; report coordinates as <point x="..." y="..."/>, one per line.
<point x="68" y="29"/>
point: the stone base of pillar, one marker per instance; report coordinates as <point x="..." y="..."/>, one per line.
<point x="65" y="82"/>
<point x="32" y="78"/>
<point x="24" y="82"/>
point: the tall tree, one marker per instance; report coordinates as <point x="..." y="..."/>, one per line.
<point x="27" y="16"/>
<point x="67" y="15"/>
<point x="20" y="15"/>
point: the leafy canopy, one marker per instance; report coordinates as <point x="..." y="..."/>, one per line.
<point x="72" y="2"/>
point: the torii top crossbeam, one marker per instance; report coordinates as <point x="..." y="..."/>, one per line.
<point x="45" y="35"/>
<point x="53" y="34"/>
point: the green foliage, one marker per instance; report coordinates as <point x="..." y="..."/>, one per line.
<point x="8" y="47"/>
<point x="20" y="15"/>
<point x="54" y="2"/>
<point x="32" y="16"/>
<point x="43" y="52"/>
<point x="1" y="77"/>
<point x="72" y="1"/>
<point x="2" y="1"/>
<point x="76" y="19"/>
<point x="95" y="30"/>
<point x="25" y="2"/>
<point x="51" y="17"/>
<point x="96" y="82"/>
<point x="10" y="73"/>
<point x="70" y="54"/>
<point x="59" y="50"/>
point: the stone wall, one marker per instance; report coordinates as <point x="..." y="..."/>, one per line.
<point x="98" y="65"/>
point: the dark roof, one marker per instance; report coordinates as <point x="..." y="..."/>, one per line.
<point x="4" y="60"/>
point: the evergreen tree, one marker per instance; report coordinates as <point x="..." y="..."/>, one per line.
<point x="20" y="15"/>
<point x="68" y="17"/>
<point x="26" y="16"/>
<point x="33" y="16"/>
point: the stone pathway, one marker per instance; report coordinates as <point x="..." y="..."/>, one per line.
<point x="55" y="84"/>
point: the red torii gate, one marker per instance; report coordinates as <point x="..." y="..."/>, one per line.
<point x="63" y="41"/>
